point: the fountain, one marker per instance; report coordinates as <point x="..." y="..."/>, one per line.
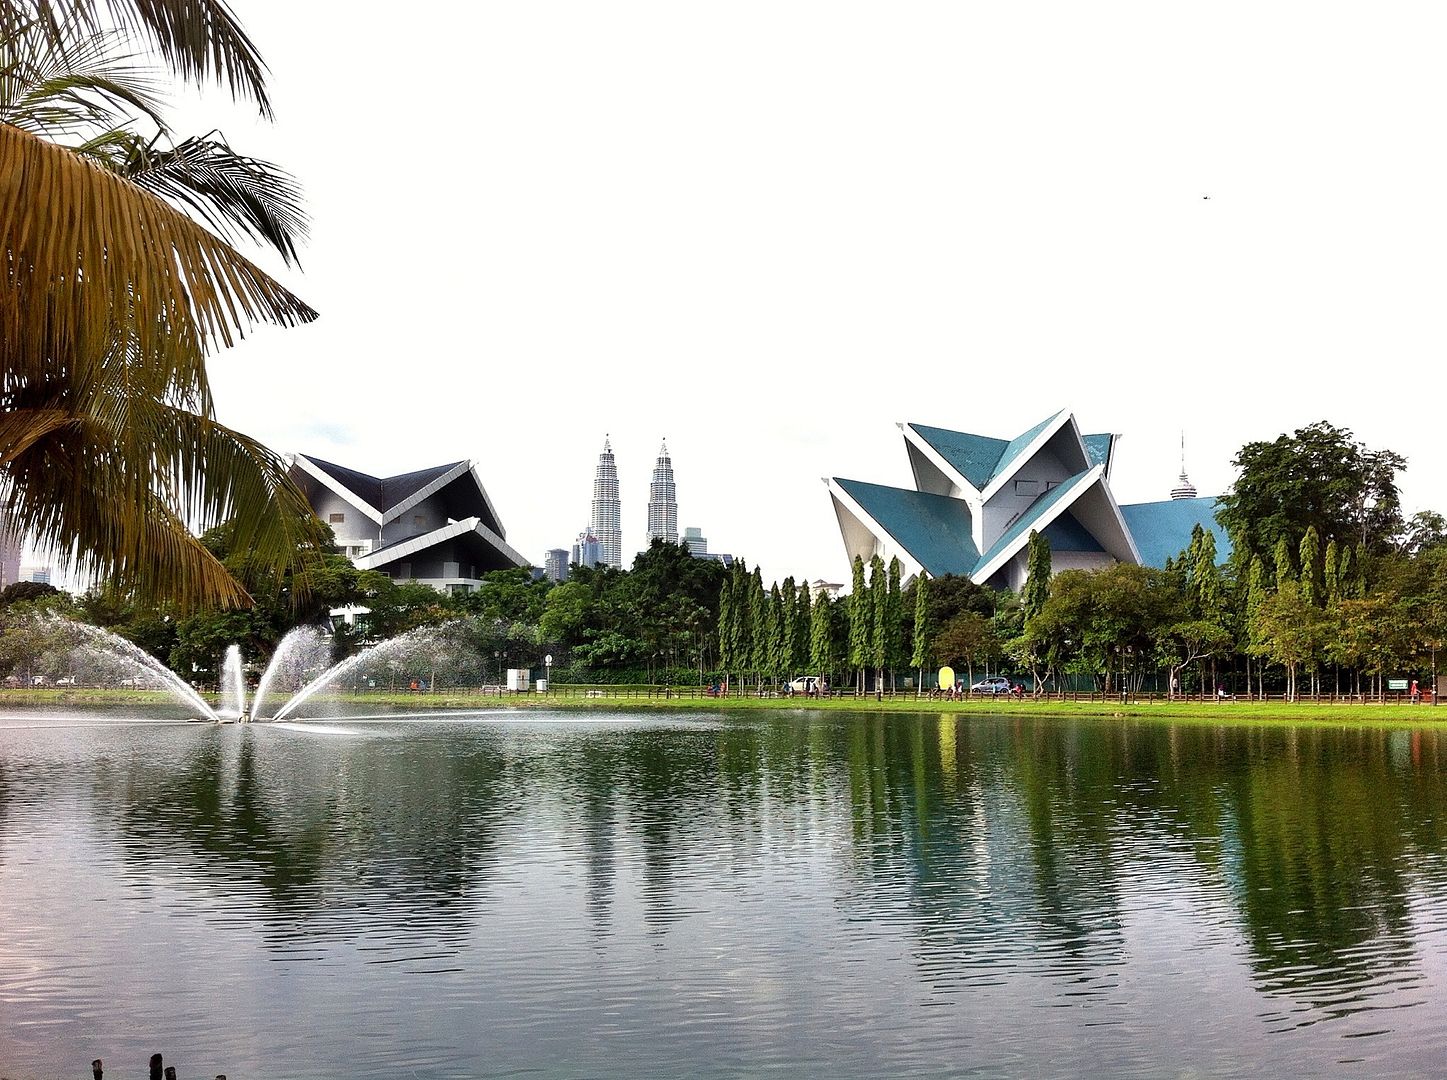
<point x="233" y="687"/>
<point x="300" y="667"/>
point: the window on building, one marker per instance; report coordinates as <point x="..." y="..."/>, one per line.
<point x="1027" y="487"/>
<point x="336" y="519"/>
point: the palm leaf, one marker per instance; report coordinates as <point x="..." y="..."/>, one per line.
<point x="240" y="197"/>
<point x="199" y="39"/>
<point x="92" y="263"/>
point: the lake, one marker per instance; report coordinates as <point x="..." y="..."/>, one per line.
<point x="834" y="895"/>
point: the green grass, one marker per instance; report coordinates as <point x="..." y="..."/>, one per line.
<point x="646" y="699"/>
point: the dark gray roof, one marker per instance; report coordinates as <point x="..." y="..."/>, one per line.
<point x="382" y="493"/>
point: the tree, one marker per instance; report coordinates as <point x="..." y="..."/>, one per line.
<point x="1313" y="585"/>
<point x="117" y="291"/>
<point x="1037" y="580"/>
<point x="1288" y="630"/>
<point x="968" y="637"/>
<point x="822" y="654"/>
<point x="1184" y="643"/>
<point x="860" y="622"/>
<point x="1319" y="476"/>
<point x="923" y="631"/>
<point x="1282" y="562"/>
<point x="894" y="657"/>
<point x="878" y="620"/>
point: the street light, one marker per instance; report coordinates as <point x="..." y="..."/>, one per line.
<point x="548" y="670"/>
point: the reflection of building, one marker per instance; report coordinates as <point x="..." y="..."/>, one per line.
<point x="436" y="526"/>
<point x="662" y="500"/>
<point x="607" y="509"/>
<point x="977" y="499"/>
<point x="555" y="564"/>
<point x="586" y="549"/>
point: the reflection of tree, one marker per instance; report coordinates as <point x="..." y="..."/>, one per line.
<point x="1002" y="845"/>
<point x="337" y="839"/>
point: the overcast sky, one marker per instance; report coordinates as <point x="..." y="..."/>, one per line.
<point x="771" y="231"/>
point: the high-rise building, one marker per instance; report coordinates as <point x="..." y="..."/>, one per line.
<point x="10" y="550"/>
<point x="586" y="549"/>
<point x="662" y="500"/>
<point x="607" y="510"/>
<point x="555" y="564"/>
<point x="695" y="541"/>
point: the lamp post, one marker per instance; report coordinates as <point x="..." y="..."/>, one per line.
<point x="548" y="671"/>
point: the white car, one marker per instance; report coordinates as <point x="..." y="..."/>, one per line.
<point x="995" y="684"/>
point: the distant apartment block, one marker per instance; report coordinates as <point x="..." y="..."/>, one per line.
<point x="555" y="564"/>
<point x="586" y="550"/>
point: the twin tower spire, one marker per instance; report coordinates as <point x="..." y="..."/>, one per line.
<point x="608" y="511"/>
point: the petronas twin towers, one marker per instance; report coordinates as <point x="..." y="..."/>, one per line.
<point x="608" y="509"/>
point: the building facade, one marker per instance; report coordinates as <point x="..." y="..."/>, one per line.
<point x="436" y="526"/>
<point x="662" y="500"/>
<point x="695" y="541"/>
<point x="555" y="564"/>
<point x="977" y="499"/>
<point x="607" y="523"/>
<point x="586" y="549"/>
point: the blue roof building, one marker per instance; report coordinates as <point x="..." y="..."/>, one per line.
<point x="976" y="500"/>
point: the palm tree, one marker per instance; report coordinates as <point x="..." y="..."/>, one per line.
<point x="119" y="277"/>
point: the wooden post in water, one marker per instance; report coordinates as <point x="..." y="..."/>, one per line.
<point x="170" y="1072"/>
<point x="97" y="1069"/>
<point x="156" y="1067"/>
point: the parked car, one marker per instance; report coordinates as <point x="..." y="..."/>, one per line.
<point x="38" y="680"/>
<point x="995" y="685"/>
<point x="808" y="685"/>
<point x="65" y="680"/>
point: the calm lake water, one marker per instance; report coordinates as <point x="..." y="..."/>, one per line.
<point x="795" y="894"/>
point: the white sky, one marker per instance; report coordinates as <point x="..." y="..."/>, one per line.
<point x="770" y="231"/>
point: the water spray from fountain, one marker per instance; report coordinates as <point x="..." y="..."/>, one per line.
<point x="299" y="658"/>
<point x="233" y="686"/>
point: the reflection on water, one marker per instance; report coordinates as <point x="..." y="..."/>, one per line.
<point x="813" y="895"/>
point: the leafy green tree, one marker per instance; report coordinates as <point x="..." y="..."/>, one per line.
<point x="1184" y="643"/>
<point x="968" y="638"/>
<point x="1318" y="476"/>
<point x="1331" y="572"/>
<point x="792" y="631"/>
<point x="894" y="657"/>
<point x="803" y="625"/>
<point x="1288" y="631"/>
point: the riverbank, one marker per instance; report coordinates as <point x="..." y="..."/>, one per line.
<point x="658" y="699"/>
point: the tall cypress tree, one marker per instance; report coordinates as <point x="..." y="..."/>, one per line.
<point x="878" y="618"/>
<point x="774" y="620"/>
<point x="759" y="620"/>
<point x="1037" y="576"/>
<point x="1356" y="578"/>
<point x="727" y="632"/>
<point x="821" y="637"/>
<point x="1207" y="589"/>
<point x="789" y="658"/>
<point x="923" y="632"/>
<point x="1285" y="571"/>
<point x="1313" y="590"/>
<point x="803" y="625"/>
<point x="859" y="621"/>
<point x="894" y="620"/>
<point x="1331" y="571"/>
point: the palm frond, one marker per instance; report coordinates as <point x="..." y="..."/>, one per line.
<point x="92" y="262"/>
<point x="72" y="86"/>
<point x="198" y="39"/>
<point x="238" y="196"/>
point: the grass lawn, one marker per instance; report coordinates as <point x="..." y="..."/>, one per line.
<point x="647" y="699"/>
